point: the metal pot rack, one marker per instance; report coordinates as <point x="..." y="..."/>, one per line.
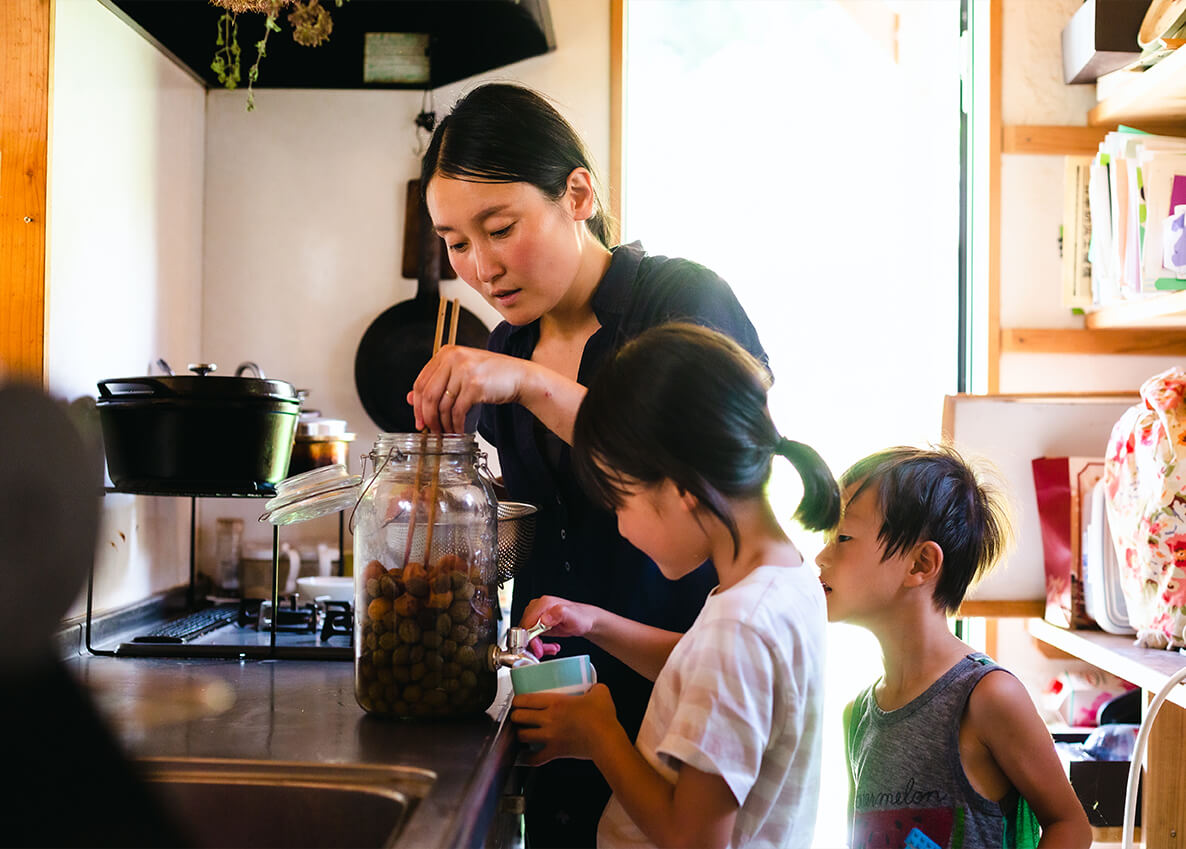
<point x="214" y="650"/>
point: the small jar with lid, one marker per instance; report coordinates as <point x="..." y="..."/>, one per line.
<point x="425" y="554"/>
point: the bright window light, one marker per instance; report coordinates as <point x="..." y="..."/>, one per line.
<point x="808" y="152"/>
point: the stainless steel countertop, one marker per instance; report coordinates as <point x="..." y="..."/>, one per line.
<point x="291" y="710"/>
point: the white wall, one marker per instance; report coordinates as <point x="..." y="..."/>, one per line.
<point x="124" y="254"/>
<point x="184" y="227"/>
<point x="304" y="226"/>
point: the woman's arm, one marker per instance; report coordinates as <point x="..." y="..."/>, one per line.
<point x="1004" y="719"/>
<point x="641" y="647"/>
<point x="697" y="811"/>
<point x="459" y="378"/>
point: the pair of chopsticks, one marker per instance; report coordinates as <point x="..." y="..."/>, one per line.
<point x="454" y="314"/>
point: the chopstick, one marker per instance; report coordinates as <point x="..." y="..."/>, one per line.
<point x="432" y="498"/>
<point x="436" y="459"/>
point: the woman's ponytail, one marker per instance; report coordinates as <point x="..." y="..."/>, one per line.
<point x="819" y="509"/>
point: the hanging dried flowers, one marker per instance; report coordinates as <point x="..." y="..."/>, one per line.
<point x="311" y="23"/>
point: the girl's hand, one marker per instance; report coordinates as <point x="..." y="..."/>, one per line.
<point x="457" y="379"/>
<point x="565" y="726"/>
<point x="564" y="619"/>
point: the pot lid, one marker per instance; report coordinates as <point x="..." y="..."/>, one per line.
<point x="325" y="428"/>
<point x="312" y="494"/>
<point x="199" y="385"/>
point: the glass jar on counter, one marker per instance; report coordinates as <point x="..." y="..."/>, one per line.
<point x="425" y="587"/>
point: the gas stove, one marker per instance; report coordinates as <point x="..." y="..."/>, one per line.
<point x="248" y="628"/>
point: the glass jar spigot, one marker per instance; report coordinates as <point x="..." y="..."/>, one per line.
<point x="516" y="652"/>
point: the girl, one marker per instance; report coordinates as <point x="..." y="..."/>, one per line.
<point x="510" y="187"/>
<point x="675" y="436"/>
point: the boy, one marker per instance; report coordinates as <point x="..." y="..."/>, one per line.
<point x="939" y="744"/>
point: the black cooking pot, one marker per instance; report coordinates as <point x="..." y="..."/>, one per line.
<point x="198" y="433"/>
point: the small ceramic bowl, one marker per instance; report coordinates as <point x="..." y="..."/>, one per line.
<point x="313" y="587"/>
<point x="573" y="675"/>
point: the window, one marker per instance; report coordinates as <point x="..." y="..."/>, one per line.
<point x="808" y="151"/>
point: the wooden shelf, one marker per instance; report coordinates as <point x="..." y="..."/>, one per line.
<point x="1155" y="101"/>
<point x="1000" y="609"/>
<point x="1052" y="140"/>
<point x="1046" y="340"/>
<point x="1149" y="669"/>
<point x="1167" y="310"/>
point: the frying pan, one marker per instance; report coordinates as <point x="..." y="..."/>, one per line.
<point x="398" y="344"/>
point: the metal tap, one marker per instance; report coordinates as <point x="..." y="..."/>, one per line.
<point x="516" y="653"/>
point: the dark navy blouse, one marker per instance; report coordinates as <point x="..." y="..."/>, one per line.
<point x="578" y="553"/>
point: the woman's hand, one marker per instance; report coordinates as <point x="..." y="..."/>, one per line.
<point x="565" y="726"/>
<point x="564" y="619"/>
<point x="457" y="379"/>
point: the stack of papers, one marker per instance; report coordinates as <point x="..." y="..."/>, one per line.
<point x="1135" y="182"/>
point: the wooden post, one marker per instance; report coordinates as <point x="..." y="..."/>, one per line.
<point x="1163" y="821"/>
<point x="24" y="136"/>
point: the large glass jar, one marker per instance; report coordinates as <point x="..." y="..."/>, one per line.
<point x="425" y="586"/>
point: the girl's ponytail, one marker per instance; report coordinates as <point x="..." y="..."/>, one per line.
<point x="819" y="509"/>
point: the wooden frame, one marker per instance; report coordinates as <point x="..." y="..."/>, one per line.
<point x="1052" y="140"/>
<point x="996" y="32"/>
<point x="25" y="52"/>
<point x="617" y="111"/>
<point x="1120" y="340"/>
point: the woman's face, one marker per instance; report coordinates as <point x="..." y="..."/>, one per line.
<point x="520" y="250"/>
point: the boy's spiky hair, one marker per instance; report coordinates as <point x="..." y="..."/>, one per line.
<point x="937" y="494"/>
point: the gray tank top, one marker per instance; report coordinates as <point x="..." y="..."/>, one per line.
<point x="905" y="770"/>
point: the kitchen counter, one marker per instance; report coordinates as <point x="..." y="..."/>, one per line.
<point x="305" y="711"/>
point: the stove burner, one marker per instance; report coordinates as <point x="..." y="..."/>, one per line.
<point x="258" y="612"/>
<point x="339" y="619"/>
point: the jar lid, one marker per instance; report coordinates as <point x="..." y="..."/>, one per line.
<point x="312" y="494"/>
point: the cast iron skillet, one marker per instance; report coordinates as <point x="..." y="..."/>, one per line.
<point x="398" y="343"/>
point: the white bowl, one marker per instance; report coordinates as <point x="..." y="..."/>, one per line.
<point x="313" y="587"/>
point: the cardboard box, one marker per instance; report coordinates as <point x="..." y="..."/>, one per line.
<point x="1101" y="37"/>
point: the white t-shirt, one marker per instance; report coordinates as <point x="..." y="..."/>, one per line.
<point x="741" y="696"/>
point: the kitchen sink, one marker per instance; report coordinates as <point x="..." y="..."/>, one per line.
<point x="250" y="804"/>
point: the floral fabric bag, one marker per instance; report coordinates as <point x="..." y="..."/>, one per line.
<point x="1145" y="496"/>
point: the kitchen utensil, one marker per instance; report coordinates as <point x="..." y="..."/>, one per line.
<point x="199" y="432"/>
<point x="573" y="675"/>
<point x="395" y="347"/>
<point x="516" y="535"/>
<point x="516" y="652"/>
<point x="256" y="572"/>
<point x="311" y="495"/>
<point x="413" y="243"/>
<point x="425" y="603"/>
<point x="228" y="551"/>
<point x="436" y="468"/>
<point x="334" y="588"/>
<point x="319" y="442"/>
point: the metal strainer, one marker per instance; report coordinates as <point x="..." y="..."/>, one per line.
<point x="516" y="534"/>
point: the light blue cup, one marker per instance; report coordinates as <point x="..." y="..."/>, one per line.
<point x="571" y="675"/>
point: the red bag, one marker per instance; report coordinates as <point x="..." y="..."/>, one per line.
<point x="1063" y="486"/>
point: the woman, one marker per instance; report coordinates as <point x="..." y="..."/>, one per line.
<point x="510" y="188"/>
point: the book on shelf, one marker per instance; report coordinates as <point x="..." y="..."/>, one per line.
<point x="1076" y="233"/>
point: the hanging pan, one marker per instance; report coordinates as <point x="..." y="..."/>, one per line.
<point x="398" y="344"/>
